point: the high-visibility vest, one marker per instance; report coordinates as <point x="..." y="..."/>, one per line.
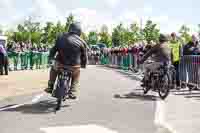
<point x="175" y="46"/>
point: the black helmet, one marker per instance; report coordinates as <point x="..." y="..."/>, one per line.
<point x="163" y="38"/>
<point x="75" y="28"/>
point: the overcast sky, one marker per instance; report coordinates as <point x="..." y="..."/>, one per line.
<point x="169" y="14"/>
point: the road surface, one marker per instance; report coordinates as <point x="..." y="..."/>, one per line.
<point x="110" y="101"/>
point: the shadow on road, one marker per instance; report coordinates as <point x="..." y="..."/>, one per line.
<point x="7" y="106"/>
<point x="134" y="95"/>
<point x="179" y="90"/>
<point x="42" y="107"/>
<point x="187" y="94"/>
<point x="192" y="96"/>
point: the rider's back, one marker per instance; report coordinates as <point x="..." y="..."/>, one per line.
<point x="162" y="53"/>
<point x="70" y="49"/>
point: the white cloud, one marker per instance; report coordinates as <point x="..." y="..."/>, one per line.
<point x="160" y="19"/>
<point x="44" y="10"/>
<point x="112" y="3"/>
<point x="148" y="9"/>
<point x="6" y="10"/>
<point x="128" y="16"/>
<point x="91" y="19"/>
<point x="163" y="22"/>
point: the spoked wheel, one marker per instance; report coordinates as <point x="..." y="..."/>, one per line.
<point x="164" y="87"/>
<point x="58" y="93"/>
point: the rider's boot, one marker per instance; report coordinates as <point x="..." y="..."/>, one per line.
<point x="75" y="86"/>
<point x="49" y="89"/>
<point x="143" y="82"/>
<point x="73" y="91"/>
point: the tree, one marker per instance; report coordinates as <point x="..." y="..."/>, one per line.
<point x="199" y="30"/>
<point x="115" y="37"/>
<point x="1" y="31"/>
<point x="118" y="37"/>
<point x="150" y="32"/>
<point x="29" y="31"/>
<point x="84" y="37"/>
<point x="55" y="31"/>
<point x="60" y="28"/>
<point x="104" y="36"/>
<point x="136" y="33"/>
<point x="36" y="37"/>
<point x="18" y="37"/>
<point x="70" y="20"/>
<point x="10" y="35"/>
<point x="20" y="28"/>
<point x="184" y="31"/>
<point x="47" y="31"/>
<point x="92" y="38"/>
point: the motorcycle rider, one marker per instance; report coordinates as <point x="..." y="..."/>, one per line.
<point x="161" y="54"/>
<point x="71" y="52"/>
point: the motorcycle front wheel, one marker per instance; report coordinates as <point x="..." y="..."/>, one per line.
<point x="164" y="86"/>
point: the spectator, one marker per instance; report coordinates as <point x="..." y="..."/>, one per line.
<point x="10" y="46"/>
<point x="3" y="60"/>
<point x="16" y="51"/>
<point x="192" y="48"/>
<point x="176" y="54"/>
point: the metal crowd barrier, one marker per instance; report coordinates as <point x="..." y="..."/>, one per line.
<point x="28" y="60"/>
<point x="189" y="70"/>
<point x="124" y="61"/>
<point x="189" y="67"/>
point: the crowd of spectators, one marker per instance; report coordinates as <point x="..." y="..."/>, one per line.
<point x="24" y="47"/>
<point x="21" y="55"/>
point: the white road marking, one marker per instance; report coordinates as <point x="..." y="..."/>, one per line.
<point x="78" y="129"/>
<point x="160" y="121"/>
<point x="34" y="100"/>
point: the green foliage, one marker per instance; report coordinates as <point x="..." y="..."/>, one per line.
<point x="10" y="35"/>
<point x="121" y="35"/>
<point x="118" y="35"/>
<point x="104" y="36"/>
<point x="84" y="37"/>
<point x="46" y="35"/>
<point x="92" y="38"/>
<point x="184" y="31"/>
<point x="150" y="32"/>
<point x="70" y="19"/>
<point x="126" y="36"/>
<point x="36" y="37"/>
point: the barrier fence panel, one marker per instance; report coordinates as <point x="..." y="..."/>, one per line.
<point x="27" y="60"/>
<point x="123" y="61"/>
<point x="190" y="70"/>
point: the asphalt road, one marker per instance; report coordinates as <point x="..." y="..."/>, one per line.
<point x="110" y="102"/>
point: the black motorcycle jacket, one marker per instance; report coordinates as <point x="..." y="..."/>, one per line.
<point x="70" y="50"/>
